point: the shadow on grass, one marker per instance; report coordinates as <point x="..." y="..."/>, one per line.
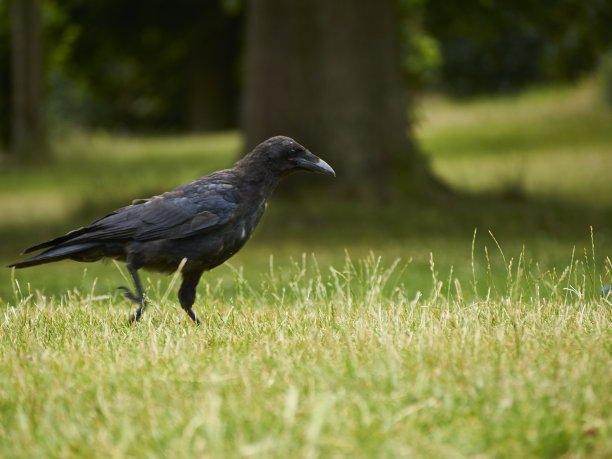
<point x="319" y="220"/>
<point x="548" y="235"/>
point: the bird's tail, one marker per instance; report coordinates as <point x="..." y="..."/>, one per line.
<point x="82" y="251"/>
<point x="57" y="241"/>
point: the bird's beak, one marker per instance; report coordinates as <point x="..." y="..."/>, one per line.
<point x="315" y="164"/>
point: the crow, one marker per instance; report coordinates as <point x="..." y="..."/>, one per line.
<point x="204" y="222"/>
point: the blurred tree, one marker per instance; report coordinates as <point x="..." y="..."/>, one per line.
<point x="28" y="139"/>
<point x="504" y="45"/>
<point x="604" y="75"/>
<point x="147" y="65"/>
<point x="5" y="75"/>
<point x="154" y="66"/>
<point x="420" y="51"/>
<point x="329" y="75"/>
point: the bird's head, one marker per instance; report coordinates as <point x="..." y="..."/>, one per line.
<point x="283" y="155"/>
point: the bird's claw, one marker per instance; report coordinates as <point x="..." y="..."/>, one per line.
<point x="139" y="300"/>
<point x="135" y="317"/>
<point x="129" y="295"/>
<point x="192" y="316"/>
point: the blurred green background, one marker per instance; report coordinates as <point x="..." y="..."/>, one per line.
<point x="487" y="116"/>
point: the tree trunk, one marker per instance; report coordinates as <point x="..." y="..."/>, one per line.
<point x="213" y="87"/>
<point x="209" y="103"/>
<point x="28" y="128"/>
<point x="328" y="74"/>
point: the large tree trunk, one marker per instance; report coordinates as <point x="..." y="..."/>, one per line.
<point x="28" y="128"/>
<point x="213" y="87"/>
<point x="328" y="74"/>
<point x="210" y="104"/>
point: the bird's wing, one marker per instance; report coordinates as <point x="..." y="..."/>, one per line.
<point x="186" y="211"/>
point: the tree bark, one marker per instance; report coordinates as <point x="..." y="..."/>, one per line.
<point x="28" y="139"/>
<point x="213" y="87"/>
<point x="209" y="105"/>
<point x="329" y="74"/>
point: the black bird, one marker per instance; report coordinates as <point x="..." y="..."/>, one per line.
<point x="205" y="222"/>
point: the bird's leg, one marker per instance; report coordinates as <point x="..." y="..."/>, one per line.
<point x="187" y="293"/>
<point x="140" y="299"/>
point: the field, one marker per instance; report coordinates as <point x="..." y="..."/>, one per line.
<point x="470" y="325"/>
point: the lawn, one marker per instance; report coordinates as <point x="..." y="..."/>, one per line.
<point x="470" y="325"/>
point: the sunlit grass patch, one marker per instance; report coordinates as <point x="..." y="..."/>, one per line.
<point x="558" y="176"/>
<point x="77" y="146"/>
<point x="43" y="207"/>
<point x="551" y="143"/>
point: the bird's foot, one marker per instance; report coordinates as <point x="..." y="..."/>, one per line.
<point x="139" y="300"/>
<point x="135" y="317"/>
<point x="193" y="316"/>
<point x="130" y="296"/>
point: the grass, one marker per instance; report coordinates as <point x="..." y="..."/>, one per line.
<point x="494" y="343"/>
<point x="312" y="361"/>
<point x="549" y="143"/>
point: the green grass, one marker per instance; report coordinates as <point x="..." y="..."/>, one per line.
<point x="313" y="361"/>
<point x="494" y="343"/>
<point x="552" y="143"/>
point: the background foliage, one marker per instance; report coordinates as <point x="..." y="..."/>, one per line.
<point x="500" y="45"/>
<point x="133" y="66"/>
